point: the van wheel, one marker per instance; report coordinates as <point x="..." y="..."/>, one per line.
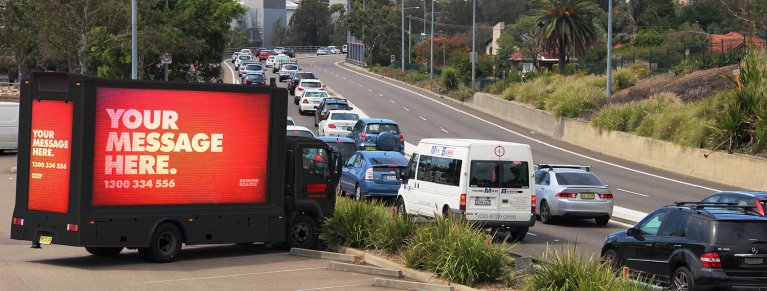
<point x="602" y="220"/>
<point x="357" y="193"/>
<point x="546" y="213"/>
<point x="303" y="232"/>
<point x="400" y="207"/>
<point x="519" y="234"/>
<point x="682" y="280"/>
<point x="446" y="212"/>
<point x="104" y="252"/>
<point x="164" y="246"/>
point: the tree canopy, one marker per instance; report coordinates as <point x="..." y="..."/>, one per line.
<point x="567" y="26"/>
<point x="310" y="24"/>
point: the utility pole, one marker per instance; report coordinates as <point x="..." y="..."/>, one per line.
<point x="473" y="41"/>
<point x="431" y="57"/>
<point x="134" y="45"/>
<point x="409" y="36"/>
<point x="402" y="30"/>
<point x="609" y="48"/>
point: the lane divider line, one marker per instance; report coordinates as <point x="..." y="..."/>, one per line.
<point x="631" y="192"/>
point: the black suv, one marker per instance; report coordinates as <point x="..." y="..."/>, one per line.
<point x="328" y="104"/>
<point x="695" y="246"/>
<point x="296" y="77"/>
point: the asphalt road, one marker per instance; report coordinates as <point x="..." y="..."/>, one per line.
<point x="422" y="114"/>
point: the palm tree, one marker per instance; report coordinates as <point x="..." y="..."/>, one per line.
<point x="567" y="25"/>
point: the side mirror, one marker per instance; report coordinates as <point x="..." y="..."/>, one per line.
<point x="633" y="232"/>
<point x="316" y="107"/>
<point x="339" y="164"/>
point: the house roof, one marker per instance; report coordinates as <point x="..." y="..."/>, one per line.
<point x="733" y="40"/>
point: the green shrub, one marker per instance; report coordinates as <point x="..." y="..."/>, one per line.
<point x="640" y="69"/>
<point x="456" y="251"/>
<point x="393" y="234"/>
<point x="684" y="67"/>
<point x="415" y="78"/>
<point x="353" y="223"/>
<point x="625" y="78"/>
<point x="648" y="38"/>
<point x="450" y="78"/>
<point x="569" y="68"/>
<point x="462" y="93"/>
<point x="569" y="270"/>
<point x="531" y="91"/>
<point x="575" y="95"/>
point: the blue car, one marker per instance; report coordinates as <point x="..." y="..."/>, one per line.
<point x="378" y="135"/>
<point x="372" y="173"/>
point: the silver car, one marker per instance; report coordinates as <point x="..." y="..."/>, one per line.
<point x="573" y="192"/>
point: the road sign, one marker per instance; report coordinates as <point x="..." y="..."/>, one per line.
<point x="166" y="59"/>
<point x="392" y="58"/>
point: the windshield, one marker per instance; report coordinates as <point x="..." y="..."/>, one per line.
<point x="344" y="116"/>
<point x="290" y="67"/>
<point x="311" y="84"/>
<point x="315" y="94"/>
<point x="300" y="133"/>
<point x="587" y="179"/>
<point x="343" y="106"/>
<point x="307" y="76"/>
<point x="344" y="148"/>
<point x="376" y="128"/>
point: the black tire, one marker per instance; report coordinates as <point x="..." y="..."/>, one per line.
<point x="602" y="220"/>
<point x="400" y="206"/>
<point x="610" y="257"/>
<point x="303" y="232"/>
<point x="446" y="213"/>
<point x="165" y="245"/>
<point x="104" y="252"/>
<point x="682" y="280"/>
<point x="300" y="112"/>
<point x="517" y="235"/>
<point x="546" y="217"/>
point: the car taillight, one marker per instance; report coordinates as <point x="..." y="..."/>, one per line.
<point x="759" y="207"/>
<point x="565" y="195"/>
<point x="711" y="260"/>
<point x="322" y="114"/>
<point x="462" y="204"/>
<point x="73" y="227"/>
<point x="306" y="101"/>
<point x="17" y="221"/>
<point x="606" y="196"/>
<point x="244" y="82"/>
<point x="401" y="138"/>
<point x="532" y="204"/>
<point x="330" y="125"/>
<point x="300" y="89"/>
<point x="369" y="174"/>
<point x="321" y="89"/>
<point x="363" y="136"/>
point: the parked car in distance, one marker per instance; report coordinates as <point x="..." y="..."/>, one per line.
<point x="295" y="77"/>
<point x="270" y="61"/>
<point x="756" y="200"/>
<point x="372" y="173"/>
<point x="693" y="246"/>
<point x="234" y="56"/>
<point x="254" y="79"/>
<point x="310" y="99"/>
<point x="330" y="104"/>
<point x="264" y="54"/>
<point x="366" y="133"/>
<point x="250" y="67"/>
<point x="307" y="84"/>
<point x="9" y="126"/>
<point x="573" y="192"/>
<point x="344" y="146"/>
<point x="291" y="121"/>
<point x="338" y="123"/>
<point x="323" y="51"/>
<point x="344" y="48"/>
<point x="334" y="50"/>
<point x="295" y="130"/>
<point x="286" y="70"/>
<point x="289" y="52"/>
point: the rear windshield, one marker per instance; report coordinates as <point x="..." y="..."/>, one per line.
<point x="389" y="159"/>
<point x="345" y="149"/>
<point x="376" y="128"/>
<point x="344" y="116"/>
<point x="740" y="232"/>
<point x="291" y="122"/>
<point x="307" y="76"/>
<point x="244" y="57"/>
<point x="311" y="84"/>
<point x="300" y="133"/>
<point x="290" y="67"/>
<point x="315" y="94"/>
<point x="337" y="106"/>
<point x="254" y="77"/>
<point x="499" y="174"/>
<point x="253" y="67"/>
<point x="587" y="179"/>
<point x="390" y="171"/>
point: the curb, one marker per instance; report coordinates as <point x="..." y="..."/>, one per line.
<point x="323" y="255"/>
<point x="407" y="285"/>
<point x="364" y="269"/>
<point x="407" y="272"/>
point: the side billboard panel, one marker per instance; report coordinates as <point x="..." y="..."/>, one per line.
<point x="50" y="156"/>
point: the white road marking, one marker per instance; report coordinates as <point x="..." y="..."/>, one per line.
<point x="352" y="81"/>
<point x="530" y="233"/>
<point x="371" y="90"/>
<point x="392" y="101"/>
<point x="379" y="94"/>
<point x="528" y="137"/>
<point x="344" y="78"/>
<point x="233" y="275"/>
<point x="630" y="192"/>
<point x="406" y="109"/>
<point x="442" y="129"/>
<point x="334" y="287"/>
<point x="421" y="117"/>
<point x="231" y="70"/>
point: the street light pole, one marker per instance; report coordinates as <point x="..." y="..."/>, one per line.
<point x="431" y="57"/>
<point x="134" y="45"/>
<point x="409" y="36"/>
<point x="402" y="30"/>
<point x="609" y="48"/>
<point x="473" y="41"/>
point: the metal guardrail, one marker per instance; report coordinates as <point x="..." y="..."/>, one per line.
<point x="9" y="87"/>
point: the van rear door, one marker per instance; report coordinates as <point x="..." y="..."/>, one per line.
<point x="515" y="192"/>
<point x="499" y="191"/>
<point x="483" y="197"/>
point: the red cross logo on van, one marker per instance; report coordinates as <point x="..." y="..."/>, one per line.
<point x="499" y="151"/>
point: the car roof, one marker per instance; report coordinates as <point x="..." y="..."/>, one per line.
<point x="336" y="100"/>
<point x="565" y="170"/>
<point x="378" y="120"/>
<point x="336" y="139"/>
<point x="311" y="80"/>
<point x="341" y="112"/>
<point x="297" y="127"/>
<point x="715" y="213"/>
<point x="754" y="194"/>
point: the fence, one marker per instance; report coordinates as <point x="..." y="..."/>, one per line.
<point x="9" y="87"/>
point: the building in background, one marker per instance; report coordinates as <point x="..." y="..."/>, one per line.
<point x="291" y="7"/>
<point x="492" y="47"/>
<point x="259" y="20"/>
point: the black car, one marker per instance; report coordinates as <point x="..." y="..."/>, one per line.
<point x="757" y="200"/>
<point x="343" y="145"/>
<point x="695" y="246"/>
<point x="289" y="52"/>
<point x="295" y="78"/>
<point x="328" y="104"/>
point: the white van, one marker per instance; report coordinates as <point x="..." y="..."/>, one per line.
<point x="487" y="182"/>
<point x="9" y="126"/>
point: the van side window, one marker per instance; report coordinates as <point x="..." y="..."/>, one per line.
<point x="423" y="164"/>
<point x="444" y="171"/>
<point x="315" y="162"/>
<point x="411" y="167"/>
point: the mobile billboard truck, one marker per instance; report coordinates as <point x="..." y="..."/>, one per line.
<point x="107" y="165"/>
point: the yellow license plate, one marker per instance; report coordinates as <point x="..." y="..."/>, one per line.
<point x="369" y="148"/>
<point x="46" y="240"/>
<point x="587" y="195"/>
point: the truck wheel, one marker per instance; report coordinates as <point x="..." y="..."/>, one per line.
<point x="104" y="252"/>
<point x="164" y="246"/>
<point x="303" y="232"/>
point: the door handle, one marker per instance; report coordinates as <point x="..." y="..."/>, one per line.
<point x="648" y="244"/>
<point x="677" y="246"/>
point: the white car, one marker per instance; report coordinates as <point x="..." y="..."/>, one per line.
<point x="334" y="50"/>
<point x="309" y="100"/>
<point x="344" y="48"/>
<point x="339" y="123"/>
<point x="270" y="61"/>
<point x="245" y="52"/>
<point x="278" y="50"/>
<point x="286" y="69"/>
<point x="307" y="84"/>
<point x="295" y="130"/>
<point x="240" y="59"/>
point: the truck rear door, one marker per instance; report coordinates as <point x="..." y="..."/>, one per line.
<point x="315" y="181"/>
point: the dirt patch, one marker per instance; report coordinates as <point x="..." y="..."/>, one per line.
<point x="9" y="97"/>
<point x="691" y="87"/>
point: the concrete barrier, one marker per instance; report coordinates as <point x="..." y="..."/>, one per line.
<point x="364" y="269"/>
<point x="407" y="285"/>
<point x="522" y="114"/>
<point x="322" y="255"/>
